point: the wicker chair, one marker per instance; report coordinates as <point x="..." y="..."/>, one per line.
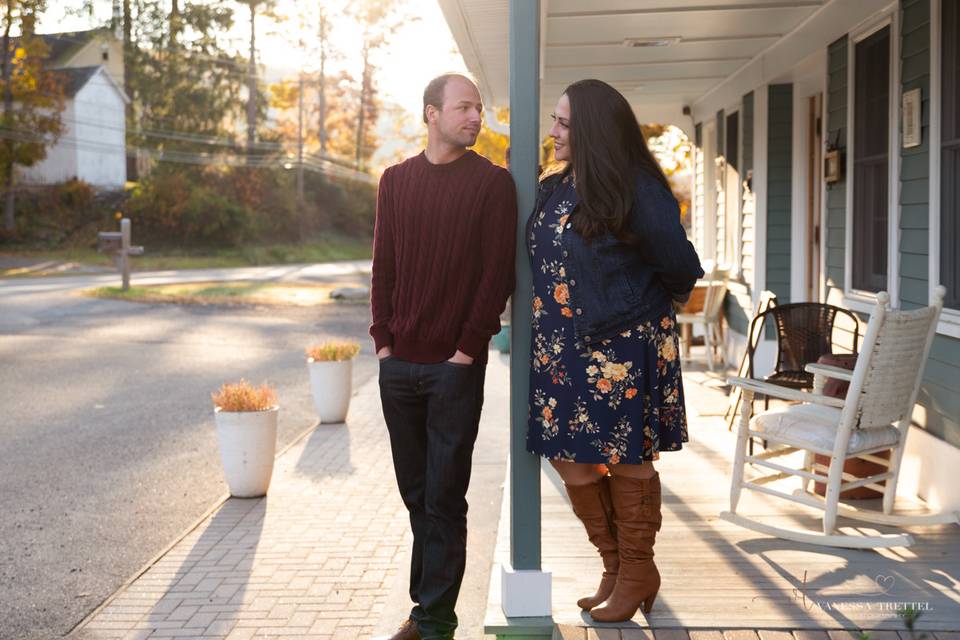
<point x="874" y="416"/>
<point x="804" y="333"/>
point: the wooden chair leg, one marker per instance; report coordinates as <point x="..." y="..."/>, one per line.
<point x="736" y="481"/>
<point x="708" y="342"/>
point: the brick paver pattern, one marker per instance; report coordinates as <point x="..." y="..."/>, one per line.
<point x="314" y="559"/>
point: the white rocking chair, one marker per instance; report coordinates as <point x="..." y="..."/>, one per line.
<point x="874" y="417"/>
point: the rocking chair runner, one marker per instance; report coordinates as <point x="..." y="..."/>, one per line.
<point x="874" y="416"/>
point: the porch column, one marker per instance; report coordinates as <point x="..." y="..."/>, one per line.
<point x="525" y="589"/>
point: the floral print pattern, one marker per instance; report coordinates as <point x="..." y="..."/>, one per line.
<point x="619" y="401"/>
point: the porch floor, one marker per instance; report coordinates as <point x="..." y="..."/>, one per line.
<point x="719" y="576"/>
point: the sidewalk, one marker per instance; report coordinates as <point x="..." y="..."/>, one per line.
<point x="324" y="555"/>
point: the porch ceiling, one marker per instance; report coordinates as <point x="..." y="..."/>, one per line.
<point x="709" y="41"/>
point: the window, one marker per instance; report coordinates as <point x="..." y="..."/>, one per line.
<point x="950" y="153"/>
<point x="732" y="201"/>
<point x="871" y="149"/>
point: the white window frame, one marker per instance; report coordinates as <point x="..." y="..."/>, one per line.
<point x="949" y="324"/>
<point x="735" y="262"/>
<point x="761" y="114"/>
<point x="857" y="299"/>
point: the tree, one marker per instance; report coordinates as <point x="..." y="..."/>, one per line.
<point x="380" y="19"/>
<point x="32" y="98"/>
<point x="186" y="87"/>
<point x="265" y="7"/>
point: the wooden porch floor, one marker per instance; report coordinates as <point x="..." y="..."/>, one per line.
<point x="717" y="576"/>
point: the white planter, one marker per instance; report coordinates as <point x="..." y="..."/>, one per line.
<point x="248" y="444"/>
<point x="330" y="382"/>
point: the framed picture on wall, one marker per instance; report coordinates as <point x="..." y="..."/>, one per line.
<point x="911" y="119"/>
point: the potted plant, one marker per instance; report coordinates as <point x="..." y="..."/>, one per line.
<point x="331" y="373"/>
<point x="246" y="418"/>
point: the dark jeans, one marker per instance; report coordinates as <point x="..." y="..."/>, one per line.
<point x="432" y="413"/>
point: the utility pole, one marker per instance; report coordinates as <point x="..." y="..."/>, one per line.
<point x="252" y="85"/>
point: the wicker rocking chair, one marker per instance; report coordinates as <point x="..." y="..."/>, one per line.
<point x="875" y="416"/>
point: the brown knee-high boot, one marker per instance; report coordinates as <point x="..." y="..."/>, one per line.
<point x="636" y="507"/>
<point x="593" y="506"/>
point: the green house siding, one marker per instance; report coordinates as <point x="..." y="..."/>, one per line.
<point x="940" y="393"/>
<point x="779" y="187"/>
<point x="836" y="203"/>
<point x="915" y="162"/>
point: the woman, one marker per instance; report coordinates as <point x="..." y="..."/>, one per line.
<point x="609" y="256"/>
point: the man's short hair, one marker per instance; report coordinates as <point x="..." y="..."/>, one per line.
<point x="433" y="94"/>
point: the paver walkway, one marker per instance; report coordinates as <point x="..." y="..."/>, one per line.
<point x="324" y="555"/>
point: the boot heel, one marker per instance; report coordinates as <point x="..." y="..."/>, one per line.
<point x="648" y="603"/>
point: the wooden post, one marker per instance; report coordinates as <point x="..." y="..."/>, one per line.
<point x="525" y="589"/>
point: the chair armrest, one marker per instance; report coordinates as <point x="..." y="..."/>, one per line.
<point x="829" y="371"/>
<point x="783" y="393"/>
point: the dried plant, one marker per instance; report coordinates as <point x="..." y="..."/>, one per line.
<point x="333" y="351"/>
<point x="243" y="396"/>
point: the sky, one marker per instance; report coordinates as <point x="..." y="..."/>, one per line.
<point x="420" y="50"/>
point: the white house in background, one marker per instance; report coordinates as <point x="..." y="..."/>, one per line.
<point x="91" y="146"/>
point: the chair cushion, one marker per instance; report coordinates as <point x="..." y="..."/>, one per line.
<point x="811" y="425"/>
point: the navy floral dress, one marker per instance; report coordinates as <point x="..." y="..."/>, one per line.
<point x="618" y="401"/>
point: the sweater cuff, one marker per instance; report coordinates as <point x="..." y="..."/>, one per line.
<point x="381" y="337"/>
<point x="473" y="343"/>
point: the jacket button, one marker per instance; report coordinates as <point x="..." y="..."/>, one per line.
<point x="573" y="282"/>
<point x="586" y="338"/>
<point x="568" y="226"/>
<point x="564" y="253"/>
<point x="579" y="311"/>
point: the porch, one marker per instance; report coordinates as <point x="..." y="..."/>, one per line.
<point x="775" y="96"/>
<point x="720" y="577"/>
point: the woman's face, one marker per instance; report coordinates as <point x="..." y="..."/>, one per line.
<point x="560" y="132"/>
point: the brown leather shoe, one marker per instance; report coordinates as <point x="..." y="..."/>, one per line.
<point x="407" y="631"/>
<point x="593" y="506"/>
<point x="636" y="505"/>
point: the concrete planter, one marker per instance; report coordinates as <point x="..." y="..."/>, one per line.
<point x="248" y="445"/>
<point x="331" y="385"/>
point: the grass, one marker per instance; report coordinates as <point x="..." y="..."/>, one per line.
<point x="225" y="293"/>
<point x="333" y="249"/>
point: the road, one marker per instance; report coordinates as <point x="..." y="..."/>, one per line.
<point x="107" y="445"/>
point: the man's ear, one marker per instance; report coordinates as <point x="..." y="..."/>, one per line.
<point x="432" y="113"/>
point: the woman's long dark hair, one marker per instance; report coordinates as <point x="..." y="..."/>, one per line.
<point x="607" y="150"/>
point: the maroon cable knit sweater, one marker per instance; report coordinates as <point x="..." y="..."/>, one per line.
<point x="443" y="257"/>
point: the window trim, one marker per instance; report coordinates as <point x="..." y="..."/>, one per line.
<point x="857" y="299"/>
<point x="735" y="262"/>
<point x="949" y="324"/>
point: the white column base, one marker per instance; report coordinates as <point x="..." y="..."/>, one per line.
<point x="525" y="593"/>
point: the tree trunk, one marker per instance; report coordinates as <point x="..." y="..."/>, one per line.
<point x="174" y="22"/>
<point x="252" y="84"/>
<point x="322" y="85"/>
<point x="5" y="70"/>
<point x="361" y="116"/>
<point x="8" y="200"/>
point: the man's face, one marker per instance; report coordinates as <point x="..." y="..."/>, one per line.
<point x="458" y="122"/>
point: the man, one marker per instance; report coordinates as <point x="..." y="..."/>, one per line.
<point x="443" y="264"/>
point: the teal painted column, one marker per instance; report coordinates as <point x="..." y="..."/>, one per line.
<point x="524" y="159"/>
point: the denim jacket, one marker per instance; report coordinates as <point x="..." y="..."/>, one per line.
<point x="615" y="286"/>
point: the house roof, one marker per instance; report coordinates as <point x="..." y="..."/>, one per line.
<point x="63" y="45"/>
<point x="75" y="78"/>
